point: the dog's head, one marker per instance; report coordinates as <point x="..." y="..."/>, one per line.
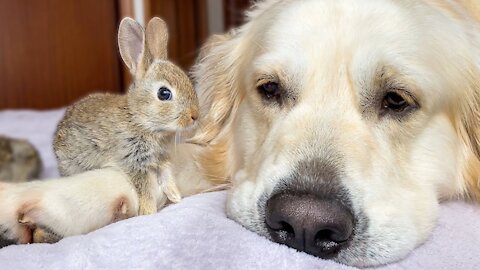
<point x="342" y="124"/>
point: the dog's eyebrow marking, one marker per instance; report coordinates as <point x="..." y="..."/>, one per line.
<point x="351" y="86"/>
<point x="264" y="77"/>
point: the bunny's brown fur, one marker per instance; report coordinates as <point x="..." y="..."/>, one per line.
<point x="19" y="160"/>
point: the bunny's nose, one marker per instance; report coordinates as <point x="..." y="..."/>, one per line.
<point x="194" y="115"/>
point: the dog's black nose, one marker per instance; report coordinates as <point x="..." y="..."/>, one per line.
<point x="320" y="227"/>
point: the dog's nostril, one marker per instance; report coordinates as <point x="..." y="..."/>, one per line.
<point x="324" y="235"/>
<point x="337" y="234"/>
<point x="317" y="226"/>
<point x="287" y="228"/>
<point x="329" y="242"/>
<point x="284" y="230"/>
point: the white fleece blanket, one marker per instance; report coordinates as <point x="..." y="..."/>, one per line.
<point x="196" y="234"/>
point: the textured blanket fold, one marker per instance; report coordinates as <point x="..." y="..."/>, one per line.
<point x="196" y="234"/>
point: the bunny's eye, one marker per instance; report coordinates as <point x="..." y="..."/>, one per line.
<point x="164" y="94"/>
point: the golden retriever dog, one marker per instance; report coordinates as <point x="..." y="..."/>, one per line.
<point x="342" y="123"/>
<point x="339" y="124"/>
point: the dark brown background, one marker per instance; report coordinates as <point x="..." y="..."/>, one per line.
<point x="53" y="52"/>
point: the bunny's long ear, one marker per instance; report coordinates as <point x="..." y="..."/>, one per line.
<point x="157" y="38"/>
<point x="131" y="42"/>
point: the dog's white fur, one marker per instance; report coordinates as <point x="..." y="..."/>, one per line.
<point x="330" y="55"/>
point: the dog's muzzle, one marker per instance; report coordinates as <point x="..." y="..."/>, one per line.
<point x="311" y="211"/>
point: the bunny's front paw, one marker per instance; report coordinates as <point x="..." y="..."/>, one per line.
<point x="147" y="206"/>
<point x="171" y="191"/>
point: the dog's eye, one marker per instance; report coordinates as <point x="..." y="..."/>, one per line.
<point x="269" y="90"/>
<point x="394" y="102"/>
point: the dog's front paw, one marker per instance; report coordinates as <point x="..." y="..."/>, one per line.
<point x="17" y="216"/>
<point x="39" y="233"/>
<point x="47" y="211"/>
<point x="24" y="218"/>
<point x="12" y="233"/>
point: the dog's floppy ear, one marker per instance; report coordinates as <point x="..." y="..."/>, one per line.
<point x="215" y="79"/>
<point x="469" y="131"/>
<point x="220" y="93"/>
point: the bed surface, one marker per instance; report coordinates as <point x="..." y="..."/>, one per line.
<point x="195" y="234"/>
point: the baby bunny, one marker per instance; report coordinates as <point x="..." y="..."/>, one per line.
<point x="134" y="132"/>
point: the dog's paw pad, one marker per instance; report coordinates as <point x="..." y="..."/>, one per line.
<point x="31" y="229"/>
<point x="45" y="235"/>
<point x="121" y="208"/>
<point x="27" y="212"/>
